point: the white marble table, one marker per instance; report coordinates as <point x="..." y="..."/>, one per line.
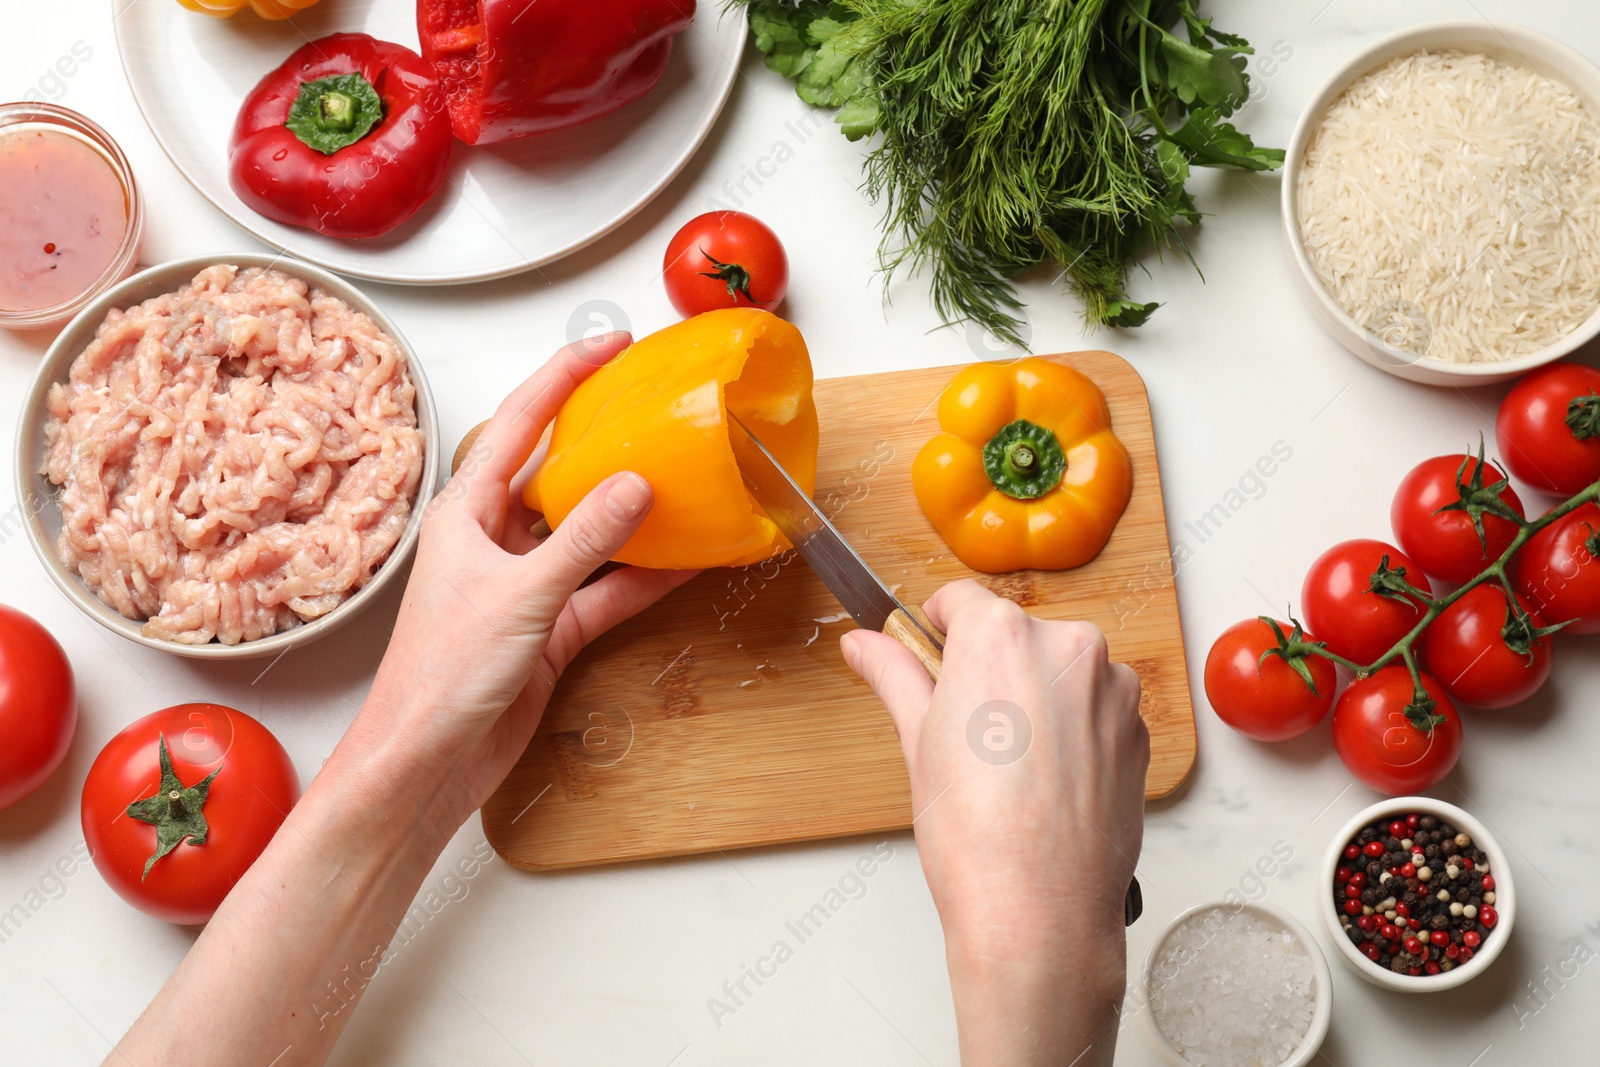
<point x="616" y="966"/>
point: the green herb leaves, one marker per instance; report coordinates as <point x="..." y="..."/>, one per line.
<point x="809" y="43"/>
<point x="1016" y="132"/>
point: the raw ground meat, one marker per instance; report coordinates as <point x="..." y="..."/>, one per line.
<point x="234" y="458"/>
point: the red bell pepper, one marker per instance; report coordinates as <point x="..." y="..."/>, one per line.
<point x="349" y="136"/>
<point x="515" y="67"/>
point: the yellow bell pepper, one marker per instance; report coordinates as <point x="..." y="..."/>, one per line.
<point x="660" y="408"/>
<point x="267" y="9"/>
<point x="1027" y="472"/>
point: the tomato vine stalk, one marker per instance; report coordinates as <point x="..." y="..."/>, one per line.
<point x="1475" y="498"/>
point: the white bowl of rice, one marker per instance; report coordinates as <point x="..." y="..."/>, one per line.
<point x="227" y="457"/>
<point x="1439" y="199"/>
<point x="1231" y="982"/>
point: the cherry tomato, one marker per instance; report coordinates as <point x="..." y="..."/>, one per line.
<point x="1344" y="613"/>
<point x="1380" y="745"/>
<point x="1466" y="650"/>
<point x="1265" y="698"/>
<point x="38" y="705"/>
<point x="1445" y="543"/>
<point x="1536" y="441"/>
<point x="725" y="259"/>
<point x="1558" y="573"/>
<point x="253" y="788"/>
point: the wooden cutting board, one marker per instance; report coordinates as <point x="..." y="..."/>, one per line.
<point x="724" y="717"/>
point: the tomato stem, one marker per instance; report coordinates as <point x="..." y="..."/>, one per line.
<point x="733" y="275"/>
<point x="1391" y="583"/>
<point x="176" y="811"/>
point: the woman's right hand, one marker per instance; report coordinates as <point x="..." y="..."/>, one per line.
<point x="1027" y="763"/>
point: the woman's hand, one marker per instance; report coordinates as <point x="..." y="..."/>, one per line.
<point x="1027" y="763"/>
<point x="492" y="615"/>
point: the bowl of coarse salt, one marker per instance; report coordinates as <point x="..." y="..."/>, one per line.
<point x="1439" y="201"/>
<point x="1230" y="983"/>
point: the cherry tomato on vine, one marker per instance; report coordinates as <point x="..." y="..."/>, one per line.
<point x="1439" y="535"/>
<point x="1548" y="428"/>
<point x="1558" y="571"/>
<point x="1254" y="689"/>
<point x="725" y="259"/>
<point x="208" y="784"/>
<point x="1379" y="743"/>
<point x="1482" y="657"/>
<point x="38" y="705"/>
<point x="1343" y="611"/>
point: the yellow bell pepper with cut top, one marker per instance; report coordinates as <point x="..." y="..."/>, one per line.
<point x="1026" y="472"/>
<point x="660" y="408"/>
<point x="267" y="9"/>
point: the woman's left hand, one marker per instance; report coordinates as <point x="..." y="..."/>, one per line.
<point x="492" y="614"/>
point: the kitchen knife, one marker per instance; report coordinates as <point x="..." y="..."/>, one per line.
<point x="844" y="572"/>
<point x="820" y="544"/>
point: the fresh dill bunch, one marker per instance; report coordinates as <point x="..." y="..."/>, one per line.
<point x="1017" y="132"/>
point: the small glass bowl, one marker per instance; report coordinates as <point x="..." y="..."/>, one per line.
<point x="69" y="122"/>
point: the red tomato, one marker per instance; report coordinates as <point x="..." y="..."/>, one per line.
<point x="1265" y="698"/>
<point x="1378" y="742"/>
<point x="1558" y="573"/>
<point x="38" y="705"/>
<point x="253" y="789"/>
<point x="1445" y="543"/>
<point x="1536" y="441"/>
<point x="1465" y="649"/>
<point x="1345" y="614"/>
<point x="725" y="259"/>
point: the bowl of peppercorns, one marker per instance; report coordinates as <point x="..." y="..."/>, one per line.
<point x="1417" y="895"/>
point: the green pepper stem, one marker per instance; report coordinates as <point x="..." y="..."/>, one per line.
<point x="334" y="112"/>
<point x="338" y="110"/>
<point x="1024" y="460"/>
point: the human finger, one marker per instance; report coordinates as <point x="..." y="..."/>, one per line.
<point x="589" y="536"/>
<point x="895" y="675"/>
<point x="511" y="435"/>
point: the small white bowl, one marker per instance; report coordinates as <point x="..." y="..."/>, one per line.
<point x="1502" y="41"/>
<point x="43" y="515"/>
<point x="1321" y="1012"/>
<point x="1505" y="896"/>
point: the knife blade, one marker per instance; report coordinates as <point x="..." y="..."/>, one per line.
<point x="843" y="571"/>
<point x="862" y="593"/>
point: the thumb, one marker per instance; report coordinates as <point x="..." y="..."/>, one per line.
<point x="896" y="675"/>
<point x="590" y="535"/>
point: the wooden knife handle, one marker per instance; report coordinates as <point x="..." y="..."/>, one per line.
<point x="902" y="628"/>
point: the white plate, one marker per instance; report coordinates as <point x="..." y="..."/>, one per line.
<point x="506" y="208"/>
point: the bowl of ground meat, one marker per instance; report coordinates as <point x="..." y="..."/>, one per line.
<point x="227" y="457"/>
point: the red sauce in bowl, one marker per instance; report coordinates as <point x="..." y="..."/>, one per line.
<point x="64" y="214"/>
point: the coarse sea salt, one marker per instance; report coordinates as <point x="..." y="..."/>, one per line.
<point x="1230" y="989"/>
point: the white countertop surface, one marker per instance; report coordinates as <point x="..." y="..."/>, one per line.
<point x="616" y="966"/>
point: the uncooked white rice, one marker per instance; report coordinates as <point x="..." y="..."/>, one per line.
<point x="1450" y="204"/>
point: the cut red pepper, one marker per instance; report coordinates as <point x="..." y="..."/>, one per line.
<point x="515" y="67"/>
<point x="349" y="136"/>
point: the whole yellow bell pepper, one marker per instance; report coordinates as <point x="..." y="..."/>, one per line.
<point x="1027" y="472"/>
<point x="660" y="408"/>
<point x="267" y="9"/>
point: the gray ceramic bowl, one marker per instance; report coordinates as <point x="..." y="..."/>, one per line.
<point x="43" y="514"/>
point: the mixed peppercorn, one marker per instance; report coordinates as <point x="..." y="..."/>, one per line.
<point x="1414" y="895"/>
